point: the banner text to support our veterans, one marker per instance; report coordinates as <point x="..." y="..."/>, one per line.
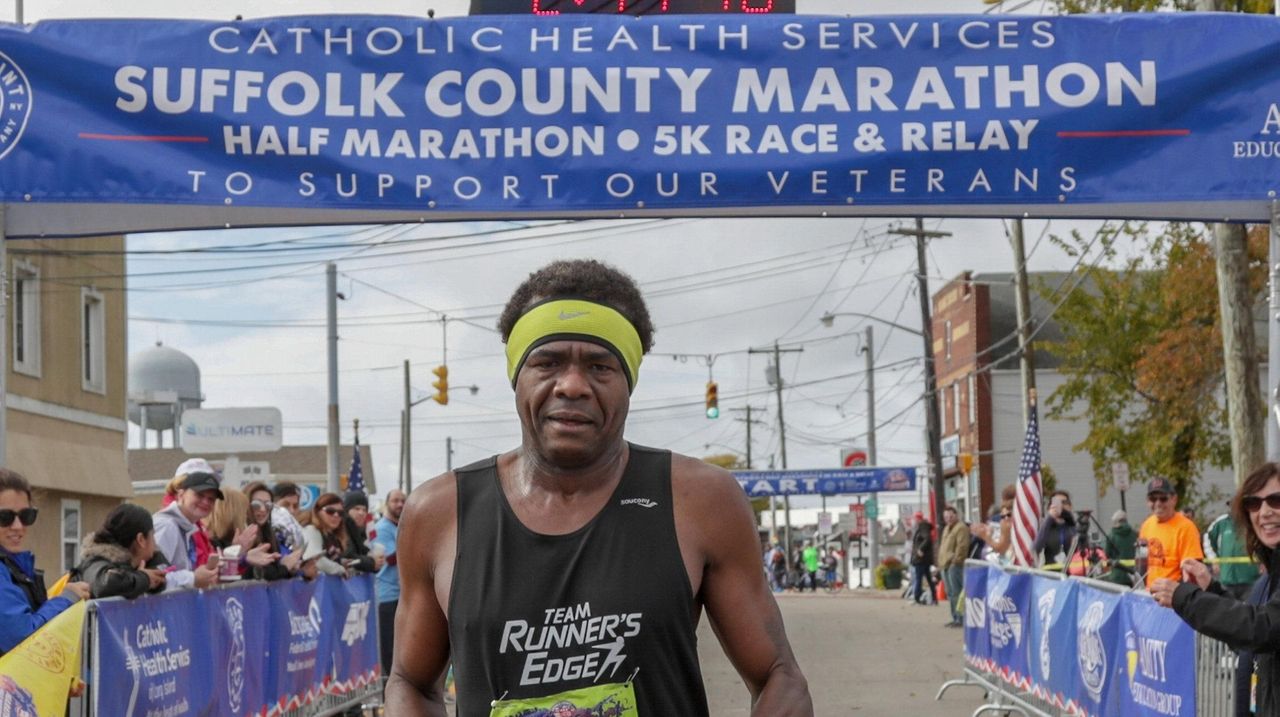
<point x="1135" y="115"/>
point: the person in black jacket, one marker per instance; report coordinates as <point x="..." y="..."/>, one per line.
<point x="120" y="557"/>
<point x="358" y="556"/>
<point x="922" y="561"/>
<point x="1204" y="605"/>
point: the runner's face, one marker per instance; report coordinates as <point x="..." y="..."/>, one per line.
<point x="1266" y="520"/>
<point x="572" y="398"/>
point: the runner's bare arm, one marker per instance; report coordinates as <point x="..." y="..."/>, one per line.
<point x="425" y="546"/>
<point x="713" y="513"/>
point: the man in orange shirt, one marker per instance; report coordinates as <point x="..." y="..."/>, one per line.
<point x="1170" y="536"/>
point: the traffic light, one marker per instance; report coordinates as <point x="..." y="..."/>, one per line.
<point x="441" y="385"/>
<point x="713" y="400"/>
<point x="964" y="462"/>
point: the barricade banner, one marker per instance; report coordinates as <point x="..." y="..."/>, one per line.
<point x="977" y="640"/>
<point x="1008" y="620"/>
<point x="1054" y="669"/>
<point x="356" y="654"/>
<point x="301" y="635"/>
<point x="1160" y="680"/>
<point x="36" y="676"/>
<point x="592" y="115"/>
<point x="259" y="649"/>
<point x="240" y="625"/>
<point x="153" y="656"/>
<point x="1099" y="652"/>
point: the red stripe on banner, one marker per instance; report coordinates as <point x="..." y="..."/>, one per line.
<point x="1086" y="134"/>
<point x="142" y="137"/>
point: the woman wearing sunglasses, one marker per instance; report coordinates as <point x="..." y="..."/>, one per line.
<point x="24" y="604"/>
<point x="326" y="534"/>
<point x="1205" y="606"/>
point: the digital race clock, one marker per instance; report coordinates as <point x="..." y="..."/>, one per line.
<point x="632" y="7"/>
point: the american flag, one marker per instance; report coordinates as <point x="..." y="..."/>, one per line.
<point x="355" y="476"/>
<point x="1026" y="506"/>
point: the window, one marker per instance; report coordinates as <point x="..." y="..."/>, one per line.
<point x="92" y="341"/>
<point x="947" y="339"/>
<point x="955" y="407"/>
<point x="26" y="319"/>
<point x="973" y="399"/>
<point x="70" y="534"/>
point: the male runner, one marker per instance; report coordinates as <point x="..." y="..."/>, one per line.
<point x="574" y="569"/>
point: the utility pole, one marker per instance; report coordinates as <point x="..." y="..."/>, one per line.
<point x="1026" y="357"/>
<point x="773" y="507"/>
<point x="1239" y="343"/>
<point x="448" y="453"/>
<point x="331" y="303"/>
<point x="782" y="438"/>
<point x="933" y="424"/>
<point x="407" y="435"/>
<point x="869" y="350"/>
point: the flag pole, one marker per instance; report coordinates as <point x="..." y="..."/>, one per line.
<point x="1031" y="396"/>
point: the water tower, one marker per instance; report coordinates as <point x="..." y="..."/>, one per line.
<point x="163" y="382"/>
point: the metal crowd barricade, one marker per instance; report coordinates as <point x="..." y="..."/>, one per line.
<point x="1215" y="670"/>
<point x="367" y="697"/>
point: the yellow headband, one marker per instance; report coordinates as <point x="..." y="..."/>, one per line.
<point x="575" y="320"/>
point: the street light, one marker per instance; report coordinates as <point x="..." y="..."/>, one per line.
<point x="829" y="319"/>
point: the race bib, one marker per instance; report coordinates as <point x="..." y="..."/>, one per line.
<point x="614" y="700"/>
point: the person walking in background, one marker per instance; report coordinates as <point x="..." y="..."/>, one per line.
<point x="1171" y="537"/>
<point x="1221" y="540"/>
<point x="810" y="558"/>
<point x="952" y="551"/>
<point x="1122" y="544"/>
<point x="922" y="562"/>
<point x="1203" y="603"/>
<point x="120" y="558"/>
<point x="25" y="606"/>
<point x="387" y="583"/>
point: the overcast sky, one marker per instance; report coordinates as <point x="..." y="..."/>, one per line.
<point x="717" y="288"/>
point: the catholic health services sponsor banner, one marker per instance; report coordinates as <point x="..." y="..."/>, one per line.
<point x="256" y="649"/>
<point x="467" y="117"/>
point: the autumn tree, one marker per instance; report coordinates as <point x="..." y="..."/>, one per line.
<point x="1141" y="350"/>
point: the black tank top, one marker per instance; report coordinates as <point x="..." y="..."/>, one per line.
<point x="533" y="617"/>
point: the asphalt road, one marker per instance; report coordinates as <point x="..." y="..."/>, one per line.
<point x="863" y="652"/>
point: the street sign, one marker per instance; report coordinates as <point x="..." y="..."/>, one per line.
<point x="872" y="507"/>
<point x="824" y="523"/>
<point x="830" y="481"/>
<point x="859" y="513"/>
<point x="853" y="457"/>
<point x="1120" y="475"/>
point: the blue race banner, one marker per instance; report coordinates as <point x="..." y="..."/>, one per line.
<point x="1008" y="622"/>
<point x="238" y="626"/>
<point x="977" y="640"/>
<point x="154" y="656"/>
<point x="355" y="653"/>
<point x="1054" y="668"/>
<point x="834" y="481"/>
<point x="302" y="619"/>
<point x="261" y="648"/>
<point x="1160" y="679"/>
<point x="1099" y="652"/>
<point x="308" y="119"/>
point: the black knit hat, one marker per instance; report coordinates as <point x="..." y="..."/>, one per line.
<point x="352" y="498"/>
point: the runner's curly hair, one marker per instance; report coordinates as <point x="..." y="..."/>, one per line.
<point x="584" y="279"/>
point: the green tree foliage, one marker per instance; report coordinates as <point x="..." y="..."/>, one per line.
<point x="1142" y="351"/>
<point x="1071" y="7"/>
